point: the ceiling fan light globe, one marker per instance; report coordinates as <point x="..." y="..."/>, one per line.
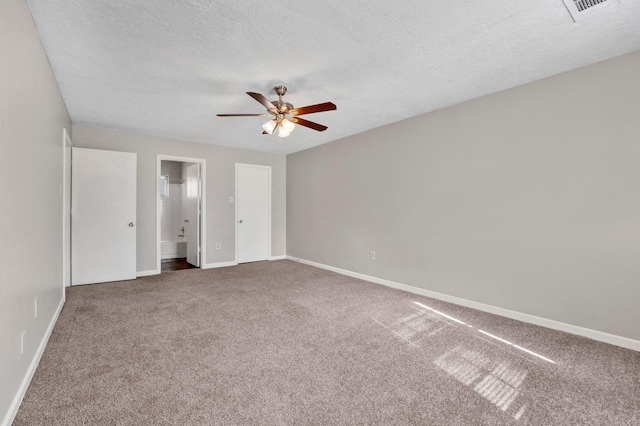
<point x="269" y="126"/>
<point x="283" y="132"/>
<point x="287" y="125"/>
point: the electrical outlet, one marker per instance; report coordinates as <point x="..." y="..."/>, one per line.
<point x="231" y="199"/>
<point x="218" y="246"/>
<point x="22" y="342"/>
<point x="372" y="256"/>
<point x="35" y="308"/>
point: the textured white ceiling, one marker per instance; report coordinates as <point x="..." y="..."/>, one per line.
<point x="167" y="67"/>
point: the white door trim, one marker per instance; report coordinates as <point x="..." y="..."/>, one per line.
<point x="268" y="168"/>
<point x="203" y="206"/>
<point x="67" y="144"/>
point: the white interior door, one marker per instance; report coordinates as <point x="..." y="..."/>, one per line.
<point x="193" y="214"/>
<point x="253" y="215"/>
<point x="103" y="214"/>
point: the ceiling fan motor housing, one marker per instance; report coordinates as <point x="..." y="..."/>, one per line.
<point x="283" y="107"/>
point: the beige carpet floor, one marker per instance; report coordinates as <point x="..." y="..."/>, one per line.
<point x="281" y="343"/>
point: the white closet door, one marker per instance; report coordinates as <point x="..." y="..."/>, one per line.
<point x="103" y="216"/>
<point x="253" y="198"/>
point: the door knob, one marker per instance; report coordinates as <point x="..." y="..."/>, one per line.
<point x="130" y="224"/>
<point x="240" y="221"/>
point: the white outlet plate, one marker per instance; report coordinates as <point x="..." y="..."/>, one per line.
<point x="218" y="246"/>
<point x="372" y="256"/>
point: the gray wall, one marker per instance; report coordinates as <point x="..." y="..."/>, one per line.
<point x="32" y="116"/>
<point x="525" y="199"/>
<point x="220" y="186"/>
<point x="173" y="169"/>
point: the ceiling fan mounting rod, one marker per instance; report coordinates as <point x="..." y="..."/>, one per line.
<point x="281" y="106"/>
<point x="280" y="91"/>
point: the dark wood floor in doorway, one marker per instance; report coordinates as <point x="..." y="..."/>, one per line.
<point x="176" y="264"/>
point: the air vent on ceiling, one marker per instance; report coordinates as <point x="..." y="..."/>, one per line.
<point x="586" y="4"/>
<point x="584" y="9"/>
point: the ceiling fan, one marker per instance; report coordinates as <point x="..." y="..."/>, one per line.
<point x="284" y="115"/>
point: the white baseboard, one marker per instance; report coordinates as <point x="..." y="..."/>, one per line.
<point x="219" y="264"/>
<point x="281" y="257"/>
<point x="601" y="336"/>
<point x="22" y="390"/>
<point x="147" y="273"/>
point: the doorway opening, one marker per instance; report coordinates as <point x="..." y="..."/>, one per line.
<point x="180" y="213"/>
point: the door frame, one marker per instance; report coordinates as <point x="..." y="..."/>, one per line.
<point x="258" y="166"/>
<point x="67" y="144"/>
<point x="203" y="206"/>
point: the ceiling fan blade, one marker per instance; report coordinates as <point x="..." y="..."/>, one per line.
<point x="243" y="115"/>
<point x="264" y="101"/>
<point x="326" y="106"/>
<point x="309" y="124"/>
